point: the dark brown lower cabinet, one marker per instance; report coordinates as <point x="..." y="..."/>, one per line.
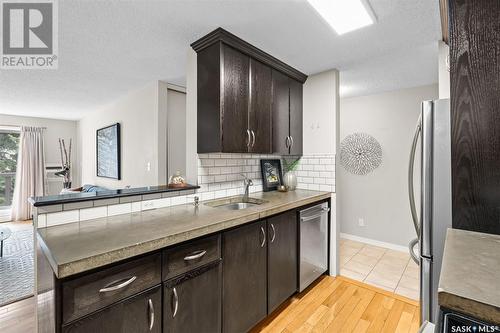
<point x="282" y="258"/>
<point x="140" y="313"/>
<point x="192" y="302"/>
<point x="244" y="277"/>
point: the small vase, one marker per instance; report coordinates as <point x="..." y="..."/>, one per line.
<point x="290" y="180"/>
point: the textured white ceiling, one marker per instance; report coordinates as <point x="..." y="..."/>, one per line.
<point x="107" y="48"/>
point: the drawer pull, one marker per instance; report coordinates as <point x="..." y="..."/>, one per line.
<point x="274" y="233"/>
<point x="112" y="287"/>
<point x="151" y="309"/>
<point x="195" y="255"/>
<point x="175" y="302"/>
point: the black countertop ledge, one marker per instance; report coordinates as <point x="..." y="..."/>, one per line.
<point x="87" y="196"/>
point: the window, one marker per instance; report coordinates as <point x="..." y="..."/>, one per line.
<point x="9" y="144"/>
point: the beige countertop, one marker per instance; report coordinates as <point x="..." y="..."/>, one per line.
<point x="81" y="246"/>
<point x="470" y="275"/>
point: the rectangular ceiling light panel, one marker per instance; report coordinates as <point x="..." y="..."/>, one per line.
<point x="344" y="15"/>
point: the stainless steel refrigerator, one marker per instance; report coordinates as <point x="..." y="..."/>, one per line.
<point x="433" y="137"/>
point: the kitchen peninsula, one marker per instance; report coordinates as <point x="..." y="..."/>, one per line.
<point x="238" y="265"/>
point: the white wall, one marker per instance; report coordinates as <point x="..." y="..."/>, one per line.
<point x="320" y="105"/>
<point x="64" y="129"/>
<point x="142" y="117"/>
<point x="191" y="116"/>
<point x="381" y="197"/>
<point x="444" y="73"/>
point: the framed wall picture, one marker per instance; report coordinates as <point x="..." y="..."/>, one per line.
<point x="108" y="152"/>
<point x="272" y="176"/>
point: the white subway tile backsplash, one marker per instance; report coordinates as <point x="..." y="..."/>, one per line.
<point x="313" y="174"/>
<point x="121" y="209"/>
<point x="207" y="196"/>
<point x="41" y="221"/>
<point x="326" y="188"/>
<point x="214" y="171"/>
<point x="93" y="213"/>
<point x="164" y="202"/>
<point x="219" y="175"/>
<point x="178" y="200"/>
<point x="136" y="207"/>
<point x="68" y="216"/>
<point x="220" y="194"/>
<point x="313" y="187"/>
<point x="207" y="162"/>
<point x="147" y="205"/>
<point x="220" y="178"/>
<point x="319" y="181"/>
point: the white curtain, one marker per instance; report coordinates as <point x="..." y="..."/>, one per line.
<point x="30" y="174"/>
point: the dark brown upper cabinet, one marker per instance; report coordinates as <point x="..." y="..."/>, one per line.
<point x="236" y="101"/>
<point x="287" y="115"/>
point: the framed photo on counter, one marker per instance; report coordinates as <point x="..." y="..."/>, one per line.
<point x="272" y="176"/>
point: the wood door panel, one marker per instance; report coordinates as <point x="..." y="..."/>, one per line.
<point x="475" y="116"/>
<point x="260" y="107"/>
<point x="281" y="113"/>
<point x="132" y="315"/>
<point x="282" y="258"/>
<point x="235" y="101"/>
<point x="198" y="301"/>
<point x="296" y="117"/>
<point x="244" y="277"/>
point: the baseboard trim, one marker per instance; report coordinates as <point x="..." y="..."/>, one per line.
<point x="370" y="241"/>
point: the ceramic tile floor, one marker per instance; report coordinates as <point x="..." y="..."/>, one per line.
<point x="380" y="267"/>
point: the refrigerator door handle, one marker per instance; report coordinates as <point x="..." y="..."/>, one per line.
<point x="411" y="164"/>
<point x="411" y="247"/>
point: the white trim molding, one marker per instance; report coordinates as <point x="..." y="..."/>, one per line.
<point x="374" y="242"/>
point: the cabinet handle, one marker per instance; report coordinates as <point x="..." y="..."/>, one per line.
<point x="253" y="138"/>
<point x="274" y="233"/>
<point x="175" y="302"/>
<point x="195" y="255"/>
<point x="151" y="310"/>
<point x="287" y="142"/>
<point x="291" y="141"/>
<point x="113" y="286"/>
<point x="248" y="138"/>
<point x="263" y="237"/>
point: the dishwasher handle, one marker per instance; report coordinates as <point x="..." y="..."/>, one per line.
<point x="324" y="210"/>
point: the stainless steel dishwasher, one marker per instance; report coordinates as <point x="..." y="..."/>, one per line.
<point x="313" y="229"/>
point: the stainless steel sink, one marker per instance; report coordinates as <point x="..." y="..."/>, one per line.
<point x="235" y="203"/>
<point x="238" y="205"/>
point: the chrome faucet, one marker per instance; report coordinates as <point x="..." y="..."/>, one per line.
<point x="247" y="182"/>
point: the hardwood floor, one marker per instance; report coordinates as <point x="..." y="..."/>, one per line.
<point x="339" y="304"/>
<point x="18" y="317"/>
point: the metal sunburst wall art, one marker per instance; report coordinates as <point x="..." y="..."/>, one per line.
<point x="360" y="153"/>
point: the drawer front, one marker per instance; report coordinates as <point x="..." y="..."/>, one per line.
<point x="183" y="258"/>
<point x="86" y="294"/>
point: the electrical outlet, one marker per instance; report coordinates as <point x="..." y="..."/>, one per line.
<point x="148" y="166"/>
<point x="361" y="222"/>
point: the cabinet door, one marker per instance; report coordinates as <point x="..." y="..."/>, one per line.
<point x="244" y="301"/>
<point x="259" y="116"/>
<point x="281" y="113"/>
<point x="141" y="313"/>
<point x="282" y="258"/>
<point x="192" y="303"/>
<point x="235" y="92"/>
<point x="295" y="117"/>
